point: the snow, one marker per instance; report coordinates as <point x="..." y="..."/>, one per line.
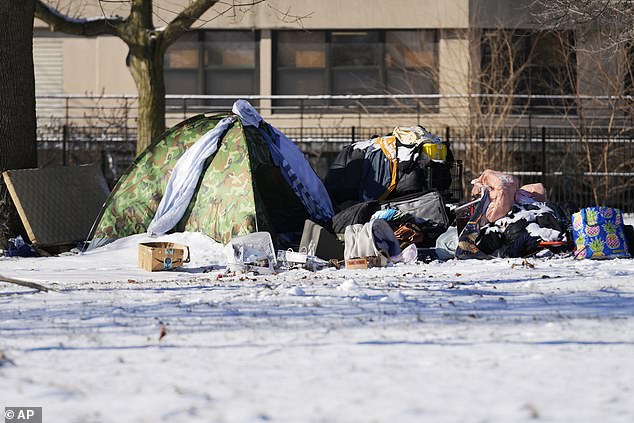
<point x="505" y="340"/>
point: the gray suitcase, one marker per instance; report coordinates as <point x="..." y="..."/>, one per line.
<point x="321" y="243"/>
<point x="423" y="207"/>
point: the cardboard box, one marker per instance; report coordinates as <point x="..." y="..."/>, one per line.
<point x="357" y="263"/>
<point x="157" y="256"/>
<point x="366" y="262"/>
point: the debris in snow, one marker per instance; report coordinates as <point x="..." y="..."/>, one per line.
<point x="525" y="264"/>
<point x="32" y="285"/>
<point x="532" y="410"/>
<point x="4" y="360"/>
<point x="162" y="331"/>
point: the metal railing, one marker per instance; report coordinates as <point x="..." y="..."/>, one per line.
<point x="522" y="110"/>
<point x="582" y="154"/>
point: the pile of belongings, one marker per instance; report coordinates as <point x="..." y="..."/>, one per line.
<point x="234" y="177"/>
<point x="397" y="179"/>
<point x="392" y="229"/>
<point x="411" y="159"/>
<point x="512" y="221"/>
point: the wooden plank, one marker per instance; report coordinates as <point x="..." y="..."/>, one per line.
<point x="57" y="205"/>
<point x="18" y="205"/>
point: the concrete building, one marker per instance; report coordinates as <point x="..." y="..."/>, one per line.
<point x="332" y="47"/>
<point x="480" y="73"/>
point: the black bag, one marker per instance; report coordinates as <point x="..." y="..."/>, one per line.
<point x="358" y="213"/>
<point x="412" y="173"/>
<point x="344" y="175"/>
<point x="426" y="211"/>
<point x="423" y="207"/>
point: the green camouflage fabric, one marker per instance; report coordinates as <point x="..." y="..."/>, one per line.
<point x="224" y="205"/>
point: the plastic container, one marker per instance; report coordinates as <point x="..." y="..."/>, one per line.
<point x="253" y="251"/>
<point x="435" y="151"/>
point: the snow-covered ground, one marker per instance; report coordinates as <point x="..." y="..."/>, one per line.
<point x="461" y="341"/>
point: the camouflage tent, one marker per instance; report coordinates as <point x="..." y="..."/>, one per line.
<point x="240" y="191"/>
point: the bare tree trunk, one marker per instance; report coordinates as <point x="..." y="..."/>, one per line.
<point x="147" y="72"/>
<point x="147" y="45"/>
<point x="17" y="101"/>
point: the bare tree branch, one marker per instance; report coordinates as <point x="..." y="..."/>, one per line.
<point x="287" y="17"/>
<point x="613" y="18"/>
<point x="185" y="20"/>
<point x="78" y="26"/>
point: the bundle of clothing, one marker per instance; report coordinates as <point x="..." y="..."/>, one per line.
<point x="525" y="229"/>
<point x="512" y="221"/>
<point x="417" y="218"/>
<point x="389" y="166"/>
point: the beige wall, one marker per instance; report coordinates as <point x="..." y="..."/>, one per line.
<point x="266" y="67"/>
<point x="80" y="65"/>
<point x="323" y="14"/>
<point x="95" y="66"/>
<point x="112" y="73"/>
<point x="599" y="73"/>
<point x="453" y="72"/>
<point x="339" y="14"/>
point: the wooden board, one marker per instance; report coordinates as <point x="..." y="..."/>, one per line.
<point x="57" y="205"/>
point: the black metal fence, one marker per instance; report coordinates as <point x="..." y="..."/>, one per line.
<point x="577" y="164"/>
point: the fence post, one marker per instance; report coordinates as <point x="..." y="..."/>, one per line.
<point x="417" y="111"/>
<point x="530" y="127"/>
<point x="126" y="117"/>
<point x="544" y="154"/>
<point x="64" y="144"/>
<point x="353" y="134"/>
<point x="65" y="130"/>
<point x="104" y="166"/>
<point x="447" y="134"/>
<point x="301" y="119"/>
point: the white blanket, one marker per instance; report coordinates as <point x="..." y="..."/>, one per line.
<point x="184" y="178"/>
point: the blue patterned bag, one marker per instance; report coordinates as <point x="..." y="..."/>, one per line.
<point x="599" y="233"/>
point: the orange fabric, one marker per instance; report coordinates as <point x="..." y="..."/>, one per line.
<point x="388" y="146"/>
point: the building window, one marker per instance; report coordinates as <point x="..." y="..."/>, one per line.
<point x="355" y="62"/>
<point x="300" y="66"/>
<point x="411" y="61"/>
<point x="212" y="62"/>
<point x="529" y="63"/>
